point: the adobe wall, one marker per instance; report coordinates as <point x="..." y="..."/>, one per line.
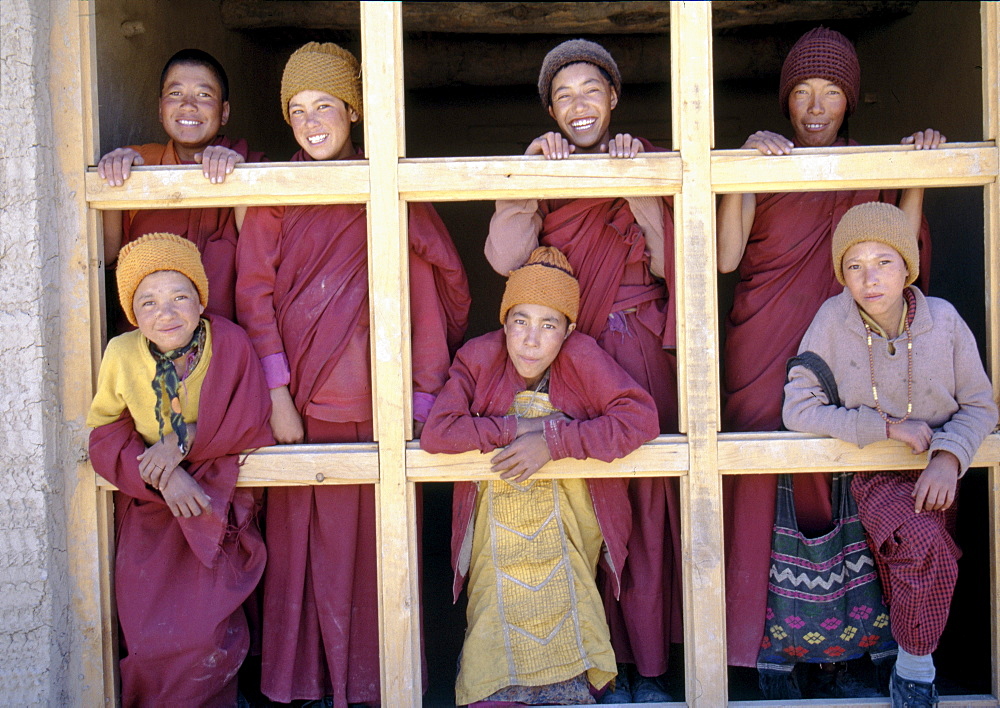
<point x="34" y="583"/>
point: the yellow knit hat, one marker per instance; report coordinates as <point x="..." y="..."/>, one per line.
<point x="881" y="222"/>
<point x="322" y="67"/>
<point x="546" y="279"/>
<point x="155" y="252"/>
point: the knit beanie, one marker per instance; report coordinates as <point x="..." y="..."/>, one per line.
<point x="571" y="52"/>
<point x="546" y="279"/>
<point x="155" y="252"/>
<point x="322" y="67"/>
<point x="881" y="222"/>
<point x="822" y="53"/>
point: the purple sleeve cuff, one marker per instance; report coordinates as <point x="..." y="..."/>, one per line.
<point x="422" y="403"/>
<point x="276" y="371"/>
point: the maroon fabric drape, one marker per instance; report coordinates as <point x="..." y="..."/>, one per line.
<point x="180" y="583"/>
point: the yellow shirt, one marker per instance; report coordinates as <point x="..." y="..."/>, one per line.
<point x="126" y="381"/>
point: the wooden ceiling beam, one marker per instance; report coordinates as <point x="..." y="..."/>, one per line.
<point x="545" y="17"/>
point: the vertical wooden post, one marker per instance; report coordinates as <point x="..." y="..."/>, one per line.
<point x="382" y="37"/>
<point x="698" y="354"/>
<point x="72" y="87"/>
<point x="991" y="222"/>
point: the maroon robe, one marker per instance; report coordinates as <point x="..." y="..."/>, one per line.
<point x="606" y="248"/>
<point x="180" y="583"/>
<point x="785" y="275"/>
<point x="612" y="416"/>
<point x="303" y="291"/>
<point x="211" y="229"/>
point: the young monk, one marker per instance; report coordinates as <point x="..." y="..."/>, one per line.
<point x="303" y="298"/>
<point x="907" y="368"/>
<point x="177" y="401"/>
<point x="537" y="633"/>
<point x="779" y="243"/>
<point x="620" y="250"/>
<point x="194" y="106"/>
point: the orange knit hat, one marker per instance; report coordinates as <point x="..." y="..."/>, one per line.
<point x="546" y="279"/>
<point x="880" y="222"/>
<point x="155" y="252"/>
<point x="322" y="67"/>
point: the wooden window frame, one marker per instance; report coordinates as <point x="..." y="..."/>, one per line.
<point x="386" y="181"/>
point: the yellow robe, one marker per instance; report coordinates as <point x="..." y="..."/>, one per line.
<point x="535" y="616"/>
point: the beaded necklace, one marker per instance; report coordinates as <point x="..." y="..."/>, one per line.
<point x="910" y="300"/>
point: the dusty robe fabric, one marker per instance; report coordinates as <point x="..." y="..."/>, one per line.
<point x="611" y="414"/>
<point x="784" y="277"/>
<point x="303" y="292"/>
<point x="535" y="617"/>
<point x="915" y="554"/>
<point x="212" y="230"/>
<point x="180" y="583"/>
<point x="606" y="248"/>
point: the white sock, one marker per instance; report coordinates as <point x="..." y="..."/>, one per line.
<point x="915" y="668"/>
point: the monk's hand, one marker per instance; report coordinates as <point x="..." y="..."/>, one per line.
<point x="553" y="145"/>
<point x="184" y="496"/>
<point x="925" y="139"/>
<point x="936" y="485"/>
<point x="537" y="425"/>
<point x="115" y="167"/>
<point x="418" y="427"/>
<point x="158" y="461"/>
<point x="286" y="423"/>
<point x="217" y="161"/>
<point x="522" y="458"/>
<point x="623" y="145"/>
<point x="915" y="433"/>
<point x="767" y="143"/>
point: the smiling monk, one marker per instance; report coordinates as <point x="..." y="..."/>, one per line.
<point x="177" y="400"/>
<point x="621" y="250"/>
<point x="193" y="108"/>
<point x="536" y="628"/>
<point x="780" y="244"/>
<point x="303" y="298"/>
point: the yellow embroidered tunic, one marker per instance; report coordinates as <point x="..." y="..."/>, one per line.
<point x="126" y="380"/>
<point x="535" y="616"/>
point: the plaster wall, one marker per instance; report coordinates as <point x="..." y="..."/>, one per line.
<point x="34" y="601"/>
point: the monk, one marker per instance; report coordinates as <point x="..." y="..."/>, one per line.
<point x="537" y="633"/>
<point x="621" y="250"/>
<point x="781" y="244"/>
<point x="194" y="106"/>
<point x="188" y="549"/>
<point x="302" y="275"/>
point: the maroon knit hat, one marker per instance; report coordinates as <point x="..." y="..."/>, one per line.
<point x="822" y="53"/>
<point x="573" y="51"/>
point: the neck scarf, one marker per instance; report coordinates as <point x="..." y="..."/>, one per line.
<point x="166" y="382"/>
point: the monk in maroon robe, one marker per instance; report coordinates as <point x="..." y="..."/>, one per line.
<point x="180" y="582"/>
<point x="302" y="274"/>
<point x="194" y="105"/>
<point x="622" y="252"/>
<point x="781" y="245"/>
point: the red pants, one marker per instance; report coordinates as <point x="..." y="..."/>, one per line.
<point x="916" y="556"/>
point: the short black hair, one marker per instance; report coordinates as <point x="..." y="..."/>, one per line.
<point x="197" y="57"/>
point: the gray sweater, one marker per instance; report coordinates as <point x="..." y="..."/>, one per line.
<point x="951" y="391"/>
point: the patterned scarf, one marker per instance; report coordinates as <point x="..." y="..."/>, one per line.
<point x="166" y="382"/>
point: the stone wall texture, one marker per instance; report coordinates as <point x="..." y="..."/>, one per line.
<point x="34" y="583"/>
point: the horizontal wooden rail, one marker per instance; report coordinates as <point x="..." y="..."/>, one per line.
<point x="250" y="185"/>
<point x="667" y="456"/>
<point x="750" y="453"/>
<point x="469" y="178"/>
<point x="879" y="167"/>
<point x="482" y="178"/>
